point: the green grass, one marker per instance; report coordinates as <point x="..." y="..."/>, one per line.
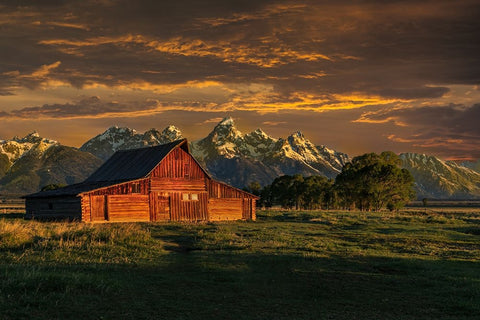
<point x="286" y="265"/>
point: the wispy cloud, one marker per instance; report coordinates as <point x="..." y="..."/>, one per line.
<point x="273" y="123"/>
<point x="92" y="107"/>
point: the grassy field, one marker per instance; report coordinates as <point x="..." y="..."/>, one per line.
<point x="415" y="264"/>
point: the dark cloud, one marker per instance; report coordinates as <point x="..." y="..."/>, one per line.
<point x="451" y="131"/>
<point x="394" y="49"/>
<point x="84" y="108"/>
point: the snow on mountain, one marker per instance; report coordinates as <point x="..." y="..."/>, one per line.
<point x="17" y="147"/>
<point x="472" y="165"/>
<point x="121" y="138"/>
<point x="261" y="155"/>
<point x="31" y="162"/>
<point x="438" y="179"/>
<point x="337" y="159"/>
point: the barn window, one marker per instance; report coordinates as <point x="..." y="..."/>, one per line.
<point x="189" y="196"/>
<point x="136" y="188"/>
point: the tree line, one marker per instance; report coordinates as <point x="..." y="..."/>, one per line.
<point x="369" y="182"/>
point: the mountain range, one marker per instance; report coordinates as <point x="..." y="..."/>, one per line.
<point x="27" y="164"/>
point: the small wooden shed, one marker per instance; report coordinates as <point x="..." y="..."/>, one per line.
<point x="158" y="183"/>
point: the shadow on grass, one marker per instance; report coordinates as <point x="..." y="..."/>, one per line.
<point x="206" y="285"/>
<point x="290" y="216"/>
<point x="469" y="230"/>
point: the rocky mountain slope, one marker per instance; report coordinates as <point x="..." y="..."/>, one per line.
<point x="472" y="165"/>
<point x="438" y="179"/>
<point x="29" y="163"/>
<point x="239" y="158"/>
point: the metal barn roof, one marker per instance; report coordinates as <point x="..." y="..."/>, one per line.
<point x="124" y="165"/>
<point x="132" y="164"/>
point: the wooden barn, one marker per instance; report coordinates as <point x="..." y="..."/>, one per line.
<point x="161" y="183"/>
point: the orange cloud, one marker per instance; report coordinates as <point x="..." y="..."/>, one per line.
<point x="62" y="24"/>
<point x="268" y="55"/>
<point x="43" y="71"/>
<point x="273" y="123"/>
<point x="271" y="102"/>
<point x="259" y="15"/>
<point x="394" y="138"/>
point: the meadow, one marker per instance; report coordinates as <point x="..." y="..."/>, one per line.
<point x="414" y="264"/>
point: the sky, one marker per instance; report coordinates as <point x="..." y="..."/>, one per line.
<point x="357" y="76"/>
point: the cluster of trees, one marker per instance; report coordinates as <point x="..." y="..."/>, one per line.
<point x="369" y="182"/>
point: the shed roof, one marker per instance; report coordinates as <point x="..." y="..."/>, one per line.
<point x="134" y="163"/>
<point x="73" y="189"/>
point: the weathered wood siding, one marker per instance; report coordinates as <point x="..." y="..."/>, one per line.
<point x="112" y="203"/>
<point x="86" y="208"/>
<point x="136" y="187"/>
<point x="115" y="208"/>
<point x="253" y="215"/>
<point x="177" y="184"/>
<point x="229" y="203"/>
<point x="188" y="210"/>
<point x="178" y="164"/>
<point x="248" y="207"/>
<point x="221" y="190"/>
<point x="225" y="209"/>
<point x="128" y="208"/>
<point x="68" y="207"/>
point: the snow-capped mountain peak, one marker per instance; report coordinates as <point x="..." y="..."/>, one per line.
<point x="17" y="147"/>
<point x="119" y="138"/>
<point x="227" y="122"/>
<point x="260" y="135"/>
<point x="171" y="133"/>
<point x="225" y="131"/>
<point x="32" y="137"/>
<point x="280" y="155"/>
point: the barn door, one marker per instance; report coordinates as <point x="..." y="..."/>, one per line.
<point x="163" y="208"/>
<point x="99" y="208"/>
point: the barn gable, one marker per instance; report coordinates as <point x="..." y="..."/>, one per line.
<point x="148" y="184"/>
<point x="135" y="163"/>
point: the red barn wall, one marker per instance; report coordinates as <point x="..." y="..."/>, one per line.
<point x="121" y="202"/>
<point x="178" y="189"/>
<point x="178" y="175"/>
<point x="228" y="203"/>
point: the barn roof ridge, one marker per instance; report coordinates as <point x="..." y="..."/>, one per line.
<point x="133" y="164"/>
<point x="175" y="142"/>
